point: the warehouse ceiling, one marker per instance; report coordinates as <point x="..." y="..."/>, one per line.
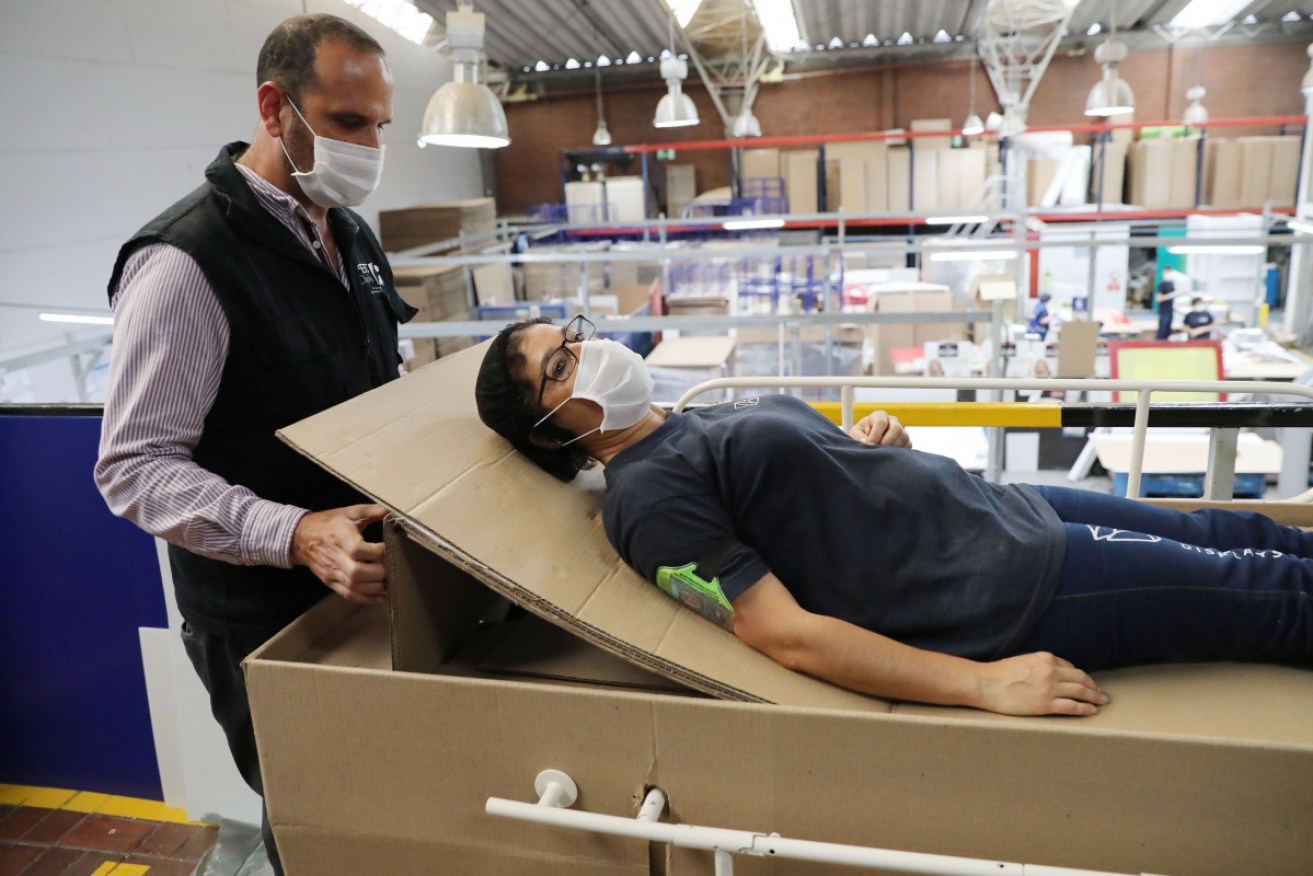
<point x="563" y="41"/>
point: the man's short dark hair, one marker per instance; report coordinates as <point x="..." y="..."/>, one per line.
<point x="288" y="54"/>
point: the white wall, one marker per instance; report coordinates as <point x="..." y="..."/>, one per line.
<point x="112" y="110"/>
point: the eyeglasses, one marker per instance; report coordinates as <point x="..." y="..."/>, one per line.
<point x="560" y="365"/>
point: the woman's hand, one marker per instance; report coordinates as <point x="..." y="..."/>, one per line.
<point x="1038" y="684"/>
<point x="880" y="428"/>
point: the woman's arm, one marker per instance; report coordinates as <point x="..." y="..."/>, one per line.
<point x="767" y="618"/>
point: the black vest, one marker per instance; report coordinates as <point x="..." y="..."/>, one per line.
<point x="298" y="343"/>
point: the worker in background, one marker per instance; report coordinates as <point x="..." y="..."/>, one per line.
<point x="856" y="559"/>
<point x="255" y="301"/>
<point x="1040" y="319"/>
<point x="1167" y="293"/>
<point x="1199" y="322"/>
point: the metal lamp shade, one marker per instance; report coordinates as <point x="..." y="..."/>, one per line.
<point x="465" y="114"/>
<point x="675" y="110"/>
<point x="1110" y="96"/>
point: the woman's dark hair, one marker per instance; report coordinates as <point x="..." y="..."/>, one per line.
<point x="288" y="54"/>
<point x="508" y="405"/>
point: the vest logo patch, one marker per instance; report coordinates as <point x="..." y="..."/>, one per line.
<point x="745" y="403"/>
<point x="371" y="277"/>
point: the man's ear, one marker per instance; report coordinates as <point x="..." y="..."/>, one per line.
<point x="270" y="99"/>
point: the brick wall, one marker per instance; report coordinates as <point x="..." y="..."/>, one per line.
<point x="1241" y="81"/>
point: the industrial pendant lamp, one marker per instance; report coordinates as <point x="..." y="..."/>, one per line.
<point x="602" y="136"/>
<point x="973" y="125"/>
<point x="465" y="112"/>
<point x="1195" y="114"/>
<point x="1110" y="96"/>
<point x="745" y="124"/>
<point x="675" y="109"/>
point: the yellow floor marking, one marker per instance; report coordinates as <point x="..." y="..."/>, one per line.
<point x="147" y="810"/>
<point x="92" y="802"/>
<point x="86" y="801"/>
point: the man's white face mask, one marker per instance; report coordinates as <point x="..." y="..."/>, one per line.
<point x="344" y="173"/>
<point x="616" y="378"/>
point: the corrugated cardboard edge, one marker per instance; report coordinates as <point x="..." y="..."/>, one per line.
<point x="551" y="613"/>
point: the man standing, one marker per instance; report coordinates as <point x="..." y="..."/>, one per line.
<point x="1040" y="319"/>
<point x="255" y="301"/>
<point x="1167" y="293"/>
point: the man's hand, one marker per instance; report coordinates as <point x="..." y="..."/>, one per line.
<point x="1038" y="684"/>
<point x="880" y="428"/>
<point x="330" y="545"/>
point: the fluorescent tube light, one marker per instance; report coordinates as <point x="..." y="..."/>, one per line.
<point x="79" y="318"/>
<point x="400" y="16"/>
<point x="955" y="220"/>
<point x="684" y="10"/>
<point x="974" y="255"/>
<point x="751" y="224"/>
<point x="778" y="20"/>
<point x="1207" y="13"/>
<point x="1217" y="249"/>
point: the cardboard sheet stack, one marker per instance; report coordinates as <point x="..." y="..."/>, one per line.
<point x="1251" y="171"/>
<point x="560" y="279"/>
<point x="441" y="294"/>
<point x="432" y="223"/>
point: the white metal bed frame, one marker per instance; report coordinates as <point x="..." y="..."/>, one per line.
<point x="1222" y="444"/>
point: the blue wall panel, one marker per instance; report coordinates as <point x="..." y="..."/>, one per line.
<point x="77" y="582"/>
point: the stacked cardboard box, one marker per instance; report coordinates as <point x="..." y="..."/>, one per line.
<point x="681" y="187"/>
<point x="905" y="298"/>
<point x="857" y="176"/>
<point x="561" y="279"/>
<point x="441" y="295"/>
<point x="1251" y="171"/>
<point x="1163" y="173"/>
<point x="431" y="223"/>
<point x="798" y="167"/>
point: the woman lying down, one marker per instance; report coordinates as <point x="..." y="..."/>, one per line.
<point x="856" y="559"/>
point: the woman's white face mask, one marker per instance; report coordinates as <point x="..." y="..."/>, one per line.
<point x="344" y="173"/>
<point x="616" y="378"/>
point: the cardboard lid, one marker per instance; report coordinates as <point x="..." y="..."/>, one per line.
<point x="417" y="446"/>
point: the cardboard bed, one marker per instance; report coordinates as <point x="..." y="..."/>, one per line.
<point x="515" y="641"/>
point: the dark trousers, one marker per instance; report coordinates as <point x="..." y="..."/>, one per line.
<point x="1143" y="584"/>
<point x="218" y="662"/>
<point x="1164" y="321"/>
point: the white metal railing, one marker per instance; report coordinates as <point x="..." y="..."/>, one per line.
<point x="557" y="791"/>
<point x="1143" y="388"/>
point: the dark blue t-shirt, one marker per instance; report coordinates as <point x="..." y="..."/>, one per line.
<point x="903" y="543"/>
<point x="1197" y="318"/>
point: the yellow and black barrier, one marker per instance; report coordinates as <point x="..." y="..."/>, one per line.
<point x="1050" y="414"/>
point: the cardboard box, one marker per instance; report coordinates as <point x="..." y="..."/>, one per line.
<point x="905" y="298"/>
<point x="1114" y="174"/>
<point x="800" y="181"/>
<point x="382" y="735"/>
<point x="925" y="179"/>
<point x="898" y="166"/>
<point x="961" y="176"/>
<point x="681" y="187"/>
<point x="869" y="160"/>
<point x="761" y="163"/>
<point x="431" y="223"/>
<point x="920" y="125"/>
<point x="1225" y="166"/>
<point x="1285" y="171"/>
<point x="1039" y="174"/>
<point x="1183" y="178"/>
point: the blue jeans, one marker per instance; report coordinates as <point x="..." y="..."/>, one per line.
<point x="1144" y="584"/>
<point x="1164" y="321"/>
